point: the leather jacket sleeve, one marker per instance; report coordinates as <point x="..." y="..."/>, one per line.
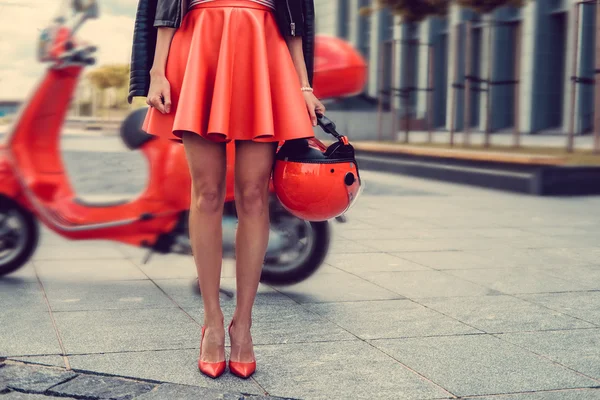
<point x="308" y="37"/>
<point x="169" y="13"/>
<point x="142" y="52"/>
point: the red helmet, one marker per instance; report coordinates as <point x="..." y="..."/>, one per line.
<point x="314" y="182"/>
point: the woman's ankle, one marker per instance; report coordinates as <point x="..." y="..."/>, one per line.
<point x="241" y="322"/>
<point x="213" y="320"/>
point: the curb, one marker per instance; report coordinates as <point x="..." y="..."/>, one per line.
<point x="527" y="178"/>
<point x="460" y="154"/>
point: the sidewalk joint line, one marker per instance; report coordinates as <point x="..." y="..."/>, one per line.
<point x="50" y="313"/>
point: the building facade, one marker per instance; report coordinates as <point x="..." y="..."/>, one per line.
<point x="527" y="53"/>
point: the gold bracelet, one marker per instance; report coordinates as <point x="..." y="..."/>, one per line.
<point x="306" y="89"/>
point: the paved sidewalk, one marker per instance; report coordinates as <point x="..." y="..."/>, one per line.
<point x="431" y="291"/>
<point x="23" y="381"/>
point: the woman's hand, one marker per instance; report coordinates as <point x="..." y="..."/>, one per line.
<point x="159" y="94"/>
<point x="313" y="106"/>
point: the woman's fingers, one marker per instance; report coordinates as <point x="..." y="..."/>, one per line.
<point x="167" y="100"/>
<point x="159" y="95"/>
<point x="157" y="103"/>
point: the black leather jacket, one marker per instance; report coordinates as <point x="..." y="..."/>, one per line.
<point x="294" y="18"/>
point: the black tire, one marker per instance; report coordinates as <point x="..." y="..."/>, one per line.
<point x="31" y="232"/>
<point x="318" y="252"/>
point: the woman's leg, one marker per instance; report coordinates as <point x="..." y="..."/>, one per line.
<point x="253" y="165"/>
<point x="207" y="164"/>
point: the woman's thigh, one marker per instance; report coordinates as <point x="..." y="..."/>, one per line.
<point x="253" y="166"/>
<point x="207" y="163"/>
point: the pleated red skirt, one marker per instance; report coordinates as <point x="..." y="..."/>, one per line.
<point x="231" y="77"/>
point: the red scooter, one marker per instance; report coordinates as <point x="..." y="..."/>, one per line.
<point x="34" y="185"/>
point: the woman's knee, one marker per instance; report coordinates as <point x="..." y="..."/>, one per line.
<point x="252" y="198"/>
<point x="208" y="198"/>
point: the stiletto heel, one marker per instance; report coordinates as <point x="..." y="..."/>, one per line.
<point x="211" y="369"/>
<point x="241" y="369"/>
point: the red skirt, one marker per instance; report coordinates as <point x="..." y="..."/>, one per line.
<point x="231" y="77"/>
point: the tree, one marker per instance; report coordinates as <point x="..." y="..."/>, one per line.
<point x="109" y="76"/>
<point x="410" y="10"/>
<point x="486" y="7"/>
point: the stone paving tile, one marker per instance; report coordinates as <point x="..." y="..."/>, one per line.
<point x="22" y="396"/>
<point x="126" y="330"/>
<point x="17" y="338"/>
<point x="362" y="234"/>
<point x="355" y="224"/>
<point x="470" y="365"/>
<point x="419" y="232"/>
<point x="32" y="379"/>
<point x="371" y="262"/>
<point x="285" y="323"/>
<point x="501" y="232"/>
<point x="411" y="245"/>
<point x="588" y="276"/>
<point x="518" y="280"/>
<point x="88" y="250"/>
<point x="170" y="267"/>
<point x="416" y="284"/>
<point x="53" y="361"/>
<point x="137" y="254"/>
<point x="575" y="394"/>
<point x="181" y="392"/>
<point x="25" y="274"/>
<point x="173" y="266"/>
<point x="558" y="231"/>
<point x="458" y="221"/>
<point x="584" y="305"/>
<point x="349" y="246"/>
<point x="575" y="256"/>
<point x="92" y="270"/>
<point x="185" y="293"/>
<point x="390" y="319"/>
<point x="336" y="287"/>
<point x="578" y="349"/>
<point x="385" y="220"/>
<point x="450" y="260"/>
<point x="174" y="366"/>
<point x="49" y="238"/>
<point x="101" y="387"/>
<point x="530" y="257"/>
<point x="581" y="241"/>
<point x="503" y="314"/>
<point x="344" y="370"/>
<point x="105" y="295"/>
<point x="18" y="295"/>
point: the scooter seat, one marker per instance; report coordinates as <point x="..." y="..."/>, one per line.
<point x="131" y="130"/>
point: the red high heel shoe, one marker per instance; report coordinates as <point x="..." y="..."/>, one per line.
<point x="241" y="369"/>
<point x="211" y="369"/>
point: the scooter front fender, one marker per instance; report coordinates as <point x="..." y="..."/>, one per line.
<point x="9" y="186"/>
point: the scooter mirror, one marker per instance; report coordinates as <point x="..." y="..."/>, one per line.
<point x="89" y="7"/>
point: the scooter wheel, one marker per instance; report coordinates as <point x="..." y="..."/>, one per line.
<point x="19" y="234"/>
<point x="285" y="270"/>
